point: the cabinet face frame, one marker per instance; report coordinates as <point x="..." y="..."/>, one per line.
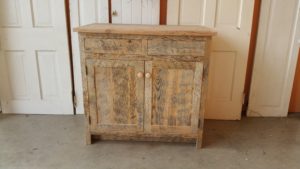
<point x="121" y="88"/>
<point x="170" y="125"/>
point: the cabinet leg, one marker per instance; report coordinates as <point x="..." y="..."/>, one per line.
<point x="199" y="144"/>
<point x="88" y="139"/>
<point x="199" y="140"/>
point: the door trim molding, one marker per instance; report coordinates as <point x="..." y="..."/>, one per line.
<point x="293" y="57"/>
<point x="251" y="54"/>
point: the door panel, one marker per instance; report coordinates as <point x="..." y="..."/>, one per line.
<point x="232" y="19"/>
<point x="185" y="12"/>
<point x="34" y="57"/>
<point x="42" y="13"/>
<point x="136" y="11"/>
<point x="17" y="75"/>
<point x="175" y="89"/>
<point x="275" y="58"/>
<point x="116" y="95"/>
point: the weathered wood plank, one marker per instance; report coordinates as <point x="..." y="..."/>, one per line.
<point x="197" y="96"/>
<point x="203" y="101"/>
<point x="92" y="96"/>
<point x="170" y="47"/>
<point x="116" y="100"/>
<point x="143" y="137"/>
<point x="141" y="134"/>
<point x="113" y="46"/>
<point x="88" y="137"/>
<point x="103" y="80"/>
<point x="184" y="116"/>
<point x="172" y="95"/>
<point x="162" y="30"/>
<point x="126" y="57"/>
<point x="148" y="98"/>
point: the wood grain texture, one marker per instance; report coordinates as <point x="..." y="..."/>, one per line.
<point x="175" y="95"/>
<point x="171" y="47"/>
<point x="196" y="96"/>
<point x="162" y="30"/>
<point x="88" y="136"/>
<point x="145" y="137"/>
<point x="204" y="91"/>
<point x="116" y="94"/>
<point x="127" y="57"/>
<point x="148" y="98"/>
<point x="167" y="105"/>
<point x="114" y="46"/>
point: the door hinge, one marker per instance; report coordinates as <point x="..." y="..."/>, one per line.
<point x="0" y="108"/>
<point x="89" y="119"/>
<point x="199" y="123"/>
<point x="243" y="98"/>
<point x="86" y="70"/>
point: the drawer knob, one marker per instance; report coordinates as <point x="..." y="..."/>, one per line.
<point x="140" y="75"/>
<point x="148" y="75"/>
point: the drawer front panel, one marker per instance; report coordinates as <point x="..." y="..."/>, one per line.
<point x="175" y="47"/>
<point x="113" y="46"/>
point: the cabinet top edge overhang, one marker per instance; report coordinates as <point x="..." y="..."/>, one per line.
<point x="160" y="30"/>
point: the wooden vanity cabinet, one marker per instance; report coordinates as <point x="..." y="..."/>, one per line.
<point x="144" y="83"/>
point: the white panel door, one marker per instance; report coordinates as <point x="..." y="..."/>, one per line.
<point x="135" y="11"/>
<point x="34" y="57"/>
<point x="232" y="19"/>
<point x="275" y="58"/>
<point x="96" y="11"/>
<point x="84" y="12"/>
<point x="185" y="12"/>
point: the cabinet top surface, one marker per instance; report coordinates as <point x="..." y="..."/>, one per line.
<point x="146" y="30"/>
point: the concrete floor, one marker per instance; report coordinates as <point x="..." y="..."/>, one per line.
<point x="57" y="142"/>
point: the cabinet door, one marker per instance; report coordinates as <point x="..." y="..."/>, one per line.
<point x="116" y="95"/>
<point x="172" y="97"/>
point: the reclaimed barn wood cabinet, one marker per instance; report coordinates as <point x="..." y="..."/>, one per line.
<point x="144" y="83"/>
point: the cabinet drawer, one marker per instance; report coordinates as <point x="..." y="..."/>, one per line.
<point x="176" y="47"/>
<point x="113" y="46"/>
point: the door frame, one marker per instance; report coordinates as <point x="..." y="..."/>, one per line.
<point x="293" y="57"/>
<point x="251" y="55"/>
<point x="293" y="107"/>
<point x="69" y="32"/>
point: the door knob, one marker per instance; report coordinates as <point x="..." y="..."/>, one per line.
<point x="140" y="75"/>
<point x="148" y="75"/>
<point x="114" y="13"/>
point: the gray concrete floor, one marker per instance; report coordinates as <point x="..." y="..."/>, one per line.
<point x="57" y="142"/>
